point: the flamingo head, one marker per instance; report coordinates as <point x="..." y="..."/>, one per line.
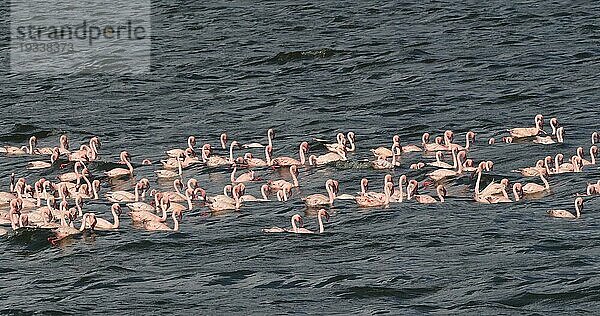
<point x="594" y="150"/>
<point x="595" y="137"/>
<point x="425" y="138"/>
<point x="396" y="139"/>
<point x="441" y="190"/>
<point x="298" y="219"/>
<point x="504" y="181"/>
<point x="117" y="208"/>
<point x="270" y="133"/>
<point x="223" y="139"/>
<point x="388" y="178"/>
<point x="518" y="187"/>
<point x="312" y="160"/>
<point x="322" y="212"/>
<point x="304" y="146"/>
<point x="402" y="180"/>
<point x="491" y="141"/>
<point x="199" y="192"/>
<point x="539" y="121"/>
<point x="471" y="135"/>
<point x="351" y="136"/>
<point x="489" y="165"/>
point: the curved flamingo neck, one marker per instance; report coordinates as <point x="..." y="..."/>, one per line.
<point x="232" y="177"/>
<point x="116" y="221"/>
<point x="330" y="193"/>
<point x="301" y="154"/>
<point x="231" y="152"/>
<point x="321" y="226"/>
<point x="295" y="179"/>
<point x="267" y="155"/>
<point x="263" y="191"/>
<point x="176" y="223"/>
<point x="477" y="184"/>
<point x="545" y="181"/>
<point x="294" y="226"/>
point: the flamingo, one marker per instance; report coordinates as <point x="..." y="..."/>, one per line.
<point x="223" y="140"/>
<point x="139" y="216"/>
<point x="469" y="138"/>
<point x="297" y="225"/>
<point x="256" y="162"/>
<point x="244" y="177"/>
<point x="125" y="196"/>
<point x="34" y="165"/>
<point x="316" y="200"/>
<point x="387" y="152"/>
<point x="559" y="133"/>
<point x="534" y="188"/>
<point x="595" y="138"/>
<point x="568" y="214"/>
<point x="533" y="171"/>
<point x="368" y="200"/>
<point x="23" y="150"/>
<point x="161" y="226"/>
<point x="314" y="160"/>
<point x="441" y="164"/>
<point x="270" y="135"/>
<point x="382" y="162"/>
<point x="169" y="174"/>
<point x="175" y="153"/>
<point x="288" y="161"/>
<point x="264" y="191"/>
<point x="440" y="174"/>
<point x="425" y="199"/>
<point x="529" y="131"/>
<point x="102" y="224"/>
<point x="121" y="172"/>
<point x="279" y="184"/>
<point x="223" y="205"/>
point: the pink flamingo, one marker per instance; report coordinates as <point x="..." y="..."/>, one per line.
<point x="568" y="214"/>
<point x="529" y="131"/>
<point x="316" y="200"/>
<point x="121" y="172"/>
<point x="288" y="161"/>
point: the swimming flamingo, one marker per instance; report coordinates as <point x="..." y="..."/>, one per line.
<point x="568" y="214"/>
<point x="256" y="162"/>
<point x="533" y="171"/>
<point x="102" y="224"/>
<point x="387" y="152"/>
<point x="441" y="164"/>
<point x="161" y="226"/>
<point x="169" y="174"/>
<point x="121" y="172"/>
<point x="297" y="225"/>
<point x="216" y="161"/>
<point x="469" y="138"/>
<point x="528" y="131"/>
<point x="330" y="157"/>
<point x="351" y="139"/>
<point x="316" y="200"/>
<point x="264" y="191"/>
<point x="440" y="174"/>
<point x="279" y="184"/>
<point x="34" y="165"/>
<point x="125" y="196"/>
<point x="270" y="134"/>
<point x="222" y="205"/>
<point x="534" y="188"/>
<point x="244" y="177"/>
<point x="144" y="215"/>
<point x="288" y="161"/>
<point x="23" y="150"/>
<point x="382" y="162"/>
<point x="368" y="200"/>
<point x="174" y="153"/>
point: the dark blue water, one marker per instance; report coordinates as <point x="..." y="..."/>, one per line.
<point x="312" y="70"/>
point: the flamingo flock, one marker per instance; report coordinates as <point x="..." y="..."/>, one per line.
<point x="59" y="205"/>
